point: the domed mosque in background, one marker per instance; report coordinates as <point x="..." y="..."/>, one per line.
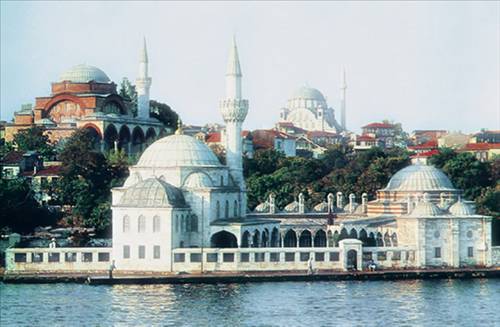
<point x="85" y="97"/>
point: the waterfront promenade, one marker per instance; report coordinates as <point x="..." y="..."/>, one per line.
<point x="98" y="278"/>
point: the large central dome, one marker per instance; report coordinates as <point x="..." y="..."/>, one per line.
<point x="178" y="150"/>
<point x="308" y="93"/>
<point x="419" y="178"/>
<point x="84" y="74"/>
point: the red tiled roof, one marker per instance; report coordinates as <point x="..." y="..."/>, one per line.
<point x="432" y="144"/>
<point x="13" y="157"/>
<point x="379" y="125"/>
<point x="213" y="137"/>
<point x="426" y="154"/>
<point x="480" y="146"/>
<point x="365" y="138"/>
<point x="47" y="171"/>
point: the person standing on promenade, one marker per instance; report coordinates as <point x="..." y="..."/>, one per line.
<point x="310" y="269"/>
<point x="112" y="267"/>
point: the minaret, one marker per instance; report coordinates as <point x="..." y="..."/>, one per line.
<point x="343" y="87"/>
<point x="234" y="110"/>
<point x="143" y="83"/>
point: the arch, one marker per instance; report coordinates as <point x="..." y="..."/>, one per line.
<point x="126" y="224"/>
<point x="265" y="238"/>
<point x="336" y="239"/>
<point x="387" y="239"/>
<point x="245" y="240"/>
<point x="379" y="241"/>
<point x="363" y="237"/>
<point x="256" y="239"/>
<point x="330" y="240"/>
<point x="156" y="224"/>
<point x="394" y="239"/>
<point x="226" y="210"/>
<point x="290" y="240"/>
<point x="94" y="132"/>
<point x="138" y="140"/>
<point x="110" y="136"/>
<point x="116" y="101"/>
<point x="223" y="239"/>
<point x="371" y="240"/>
<point x="320" y="239"/>
<point x="275" y="238"/>
<point x="150" y="135"/>
<point x="217" y="209"/>
<point x="124" y="137"/>
<point x="343" y="234"/>
<point x="352" y="259"/>
<point x="177" y="223"/>
<point x="353" y="234"/>
<point x="235" y="208"/>
<point x="60" y="98"/>
<point x="305" y="240"/>
<point x="141" y="224"/>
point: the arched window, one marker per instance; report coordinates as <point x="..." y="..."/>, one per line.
<point x="235" y="208"/>
<point x="320" y="239"/>
<point x="245" y="240"/>
<point x="290" y="239"/>
<point x="222" y="181"/>
<point x="126" y="224"/>
<point x="183" y="224"/>
<point x="387" y="239"/>
<point x="176" y="223"/>
<point x="305" y="239"/>
<point x="217" y="210"/>
<point x="194" y="223"/>
<point x="141" y="224"/>
<point x="226" y="210"/>
<point x="156" y="224"/>
<point x="394" y="239"/>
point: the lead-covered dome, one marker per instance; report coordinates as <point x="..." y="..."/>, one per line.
<point x="308" y="93"/>
<point x="176" y="151"/>
<point x="198" y="180"/>
<point x="84" y="74"/>
<point x="419" y="178"/>
<point x="152" y="192"/>
<point x="461" y="208"/>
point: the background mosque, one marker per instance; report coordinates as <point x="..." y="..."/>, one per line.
<point x="181" y="210"/>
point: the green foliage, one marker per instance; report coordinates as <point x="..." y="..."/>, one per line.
<point x="129" y="93"/>
<point x="445" y="155"/>
<point x="20" y="211"/>
<point x="34" y="139"/>
<point x="5" y="147"/>
<point x="163" y="113"/>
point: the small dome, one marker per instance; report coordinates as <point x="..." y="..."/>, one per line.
<point x="152" y="192"/>
<point x="308" y="93"/>
<point x="292" y="207"/>
<point x="178" y="150"/>
<point x="198" y="180"/>
<point x="84" y="74"/>
<point x="262" y="207"/>
<point x="426" y="209"/>
<point x="461" y="208"/>
<point x="419" y="178"/>
<point x="321" y="207"/>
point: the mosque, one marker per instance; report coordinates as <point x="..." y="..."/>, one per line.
<point x="181" y="210"/>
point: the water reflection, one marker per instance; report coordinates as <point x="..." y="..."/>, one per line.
<point x="403" y="303"/>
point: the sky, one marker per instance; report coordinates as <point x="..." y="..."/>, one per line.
<point x="428" y="65"/>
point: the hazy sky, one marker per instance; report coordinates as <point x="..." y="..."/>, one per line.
<point x="426" y="65"/>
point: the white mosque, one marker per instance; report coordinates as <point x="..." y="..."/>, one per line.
<point x="181" y="210"/>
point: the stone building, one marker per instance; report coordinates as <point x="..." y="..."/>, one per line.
<point x="85" y="97"/>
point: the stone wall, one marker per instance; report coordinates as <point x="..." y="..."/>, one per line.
<point x="495" y="256"/>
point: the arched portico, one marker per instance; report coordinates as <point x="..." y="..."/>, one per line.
<point x="223" y="239"/>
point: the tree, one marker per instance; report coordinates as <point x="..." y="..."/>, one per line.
<point x="34" y="139"/>
<point x="444" y="155"/>
<point x="163" y="113"/>
<point x="5" y="147"/>
<point x="129" y="93"/>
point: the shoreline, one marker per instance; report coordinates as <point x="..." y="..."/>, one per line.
<point x="101" y="278"/>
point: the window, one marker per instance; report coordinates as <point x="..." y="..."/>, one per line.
<point x="235" y="209"/>
<point x="126" y="224"/>
<point x="217" y="210"/>
<point x="156" y="224"/>
<point x="87" y="256"/>
<point x="37" y="257"/>
<point x="226" y="210"/>
<point x="179" y="257"/>
<point x="290" y="256"/>
<point x="183" y="224"/>
<point x="334" y="256"/>
<point x="470" y="252"/>
<point x="195" y="257"/>
<point x="304" y="256"/>
<point x="367" y="256"/>
<point x="245" y="257"/>
<point x="221" y="180"/>
<point x="70" y="257"/>
<point x="54" y="257"/>
<point x="396" y="255"/>
<point x="319" y="256"/>
<point x="211" y="257"/>
<point x="142" y="252"/>
<point x="103" y="256"/>
<point x="141" y="222"/>
<point x="194" y="223"/>
<point x="274" y="257"/>
<point x="259" y="257"/>
<point x="228" y="257"/>
<point x="381" y="256"/>
<point x="126" y="252"/>
<point x="437" y="252"/>
<point x="177" y="223"/>
<point x="19" y="257"/>
<point x="156" y="252"/>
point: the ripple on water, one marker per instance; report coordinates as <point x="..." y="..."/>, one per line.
<point x="375" y="303"/>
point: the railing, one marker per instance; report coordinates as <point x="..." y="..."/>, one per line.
<point x="57" y="259"/>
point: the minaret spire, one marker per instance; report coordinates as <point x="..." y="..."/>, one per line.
<point x="343" y="88"/>
<point x="234" y="110"/>
<point x="143" y="83"/>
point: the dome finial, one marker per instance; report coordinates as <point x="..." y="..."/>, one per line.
<point x="179" y="131"/>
